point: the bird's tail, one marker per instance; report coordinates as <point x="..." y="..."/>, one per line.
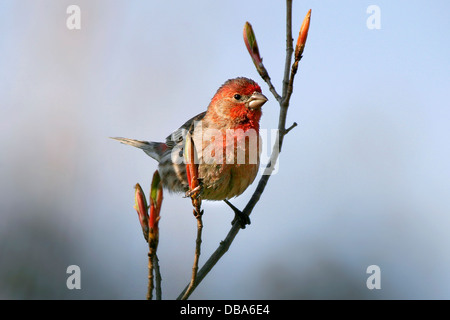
<point x="153" y="149"/>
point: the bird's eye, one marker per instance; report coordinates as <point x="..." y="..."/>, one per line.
<point x="237" y="96"/>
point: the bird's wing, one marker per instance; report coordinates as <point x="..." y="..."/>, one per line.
<point x="178" y="135"/>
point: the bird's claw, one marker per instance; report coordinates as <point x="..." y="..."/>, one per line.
<point x="240" y="217"/>
<point x="194" y="193"/>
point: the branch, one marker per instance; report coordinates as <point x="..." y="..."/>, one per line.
<point x="150" y="286"/>
<point x="157" y="277"/>
<point x="194" y="280"/>
<point x="289" y="48"/>
<point x="272" y="89"/>
<point x="211" y="262"/>
<point x="195" y="189"/>
<point x="153" y="265"/>
<point x="150" y="229"/>
<point x="290" y="128"/>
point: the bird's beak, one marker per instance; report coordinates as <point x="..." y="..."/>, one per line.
<point x="256" y="100"/>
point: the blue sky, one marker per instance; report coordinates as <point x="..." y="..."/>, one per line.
<point x="363" y="179"/>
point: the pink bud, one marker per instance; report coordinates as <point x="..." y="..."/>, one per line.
<point x="252" y="45"/>
<point x="142" y="209"/>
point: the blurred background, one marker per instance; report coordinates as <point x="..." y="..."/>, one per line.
<point x="363" y="180"/>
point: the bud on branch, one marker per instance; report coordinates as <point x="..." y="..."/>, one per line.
<point x="149" y="224"/>
<point x="302" y="36"/>
<point x="156" y="197"/>
<point x="252" y="47"/>
<point x="142" y="209"/>
<point x="191" y="158"/>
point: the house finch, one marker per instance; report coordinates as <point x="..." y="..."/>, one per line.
<point x="226" y="138"/>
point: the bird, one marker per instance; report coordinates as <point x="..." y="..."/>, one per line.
<point x="227" y="142"/>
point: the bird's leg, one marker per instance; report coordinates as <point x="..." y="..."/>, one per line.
<point x="239" y="216"/>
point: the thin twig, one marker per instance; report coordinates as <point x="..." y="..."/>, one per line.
<point x="290" y="86"/>
<point x="272" y="89"/>
<point x="220" y="251"/>
<point x="194" y="282"/>
<point x="290" y="128"/>
<point x="150" y="274"/>
<point x="157" y="277"/>
<point x="289" y="46"/>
